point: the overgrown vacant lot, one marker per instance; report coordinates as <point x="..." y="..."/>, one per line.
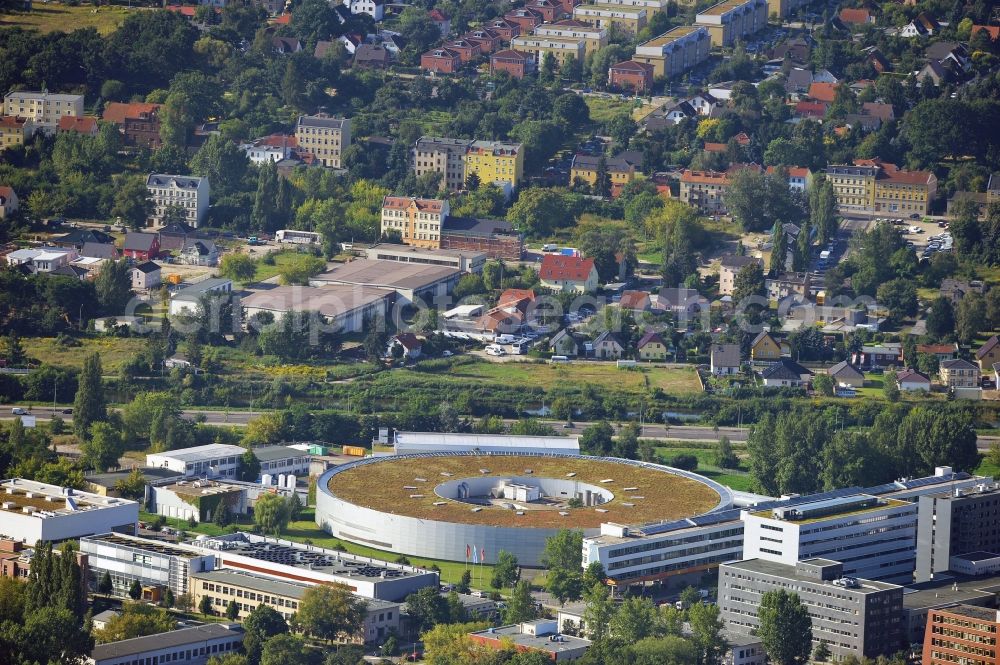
<point x="51" y="17"/>
<point x="113" y="351"/>
<point x="547" y="376"/>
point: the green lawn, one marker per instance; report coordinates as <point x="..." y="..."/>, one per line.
<point x="51" y="17"/>
<point x="603" y="109"/>
<point x="281" y="261"/>
<point x="548" y="376"/>
<point x="706" y="465"/>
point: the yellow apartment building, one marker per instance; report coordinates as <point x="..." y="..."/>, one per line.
<point x="325" y="137"/>
<point x="497" y="162"/>
<point x="14" y="131"/>
<point x="43" y="108"/>
<point x="593" y="38"/>
<point x="675" y="51"/>
<point x="418" y="221"/>
<point x="733" y="20"/>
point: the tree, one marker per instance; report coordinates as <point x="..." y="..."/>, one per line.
<point x="205" y="605"/>
<point x="102" y="447"/>
<point x="168" y="598"/>
<point x="970" y="318"/>
<point x="597" y="439"/>
<point x="270" y="514"/>
<point x="822" y="209"/>
<point x="464" y="585"/>
<point x="821" y="653"/>
<point x="899" y="296"/>
<point x="539" y="212"/>
<point x="505" y="571"/>
<point x="284" y="649"/>
<point x="779" y="249"/>
<point x="113" y="286"/>
<point x="238" y="267"/>
<point x="940" y="318"/>
<point x="748" y="282"/>
<point x="521" y="606"/>
<point x="823" y="384"/>
<point x="89" y="406"/>
<point x="136" y="620"/>
<point x="223" y="163"/>
<point x="564" y="551"/>
<point x="593" y="574"/>
<point x="785" y="628"/>
<point x="890" y="389"/>
<point x="131" y="201"/>
<point x="725" y="457"/>
<point x="706" y="631"/>
<point x="135" y="590"/>
<point x="261" y="624"/>
<point x="427" y="608"/>
<point x="564" y="585"/>
<point x="104" y="586"/>
<point x="598" y="612"/>
<point x="177" y="120"/>
<point x="635" y="619"/>
<point x="758" y="201"/>
<point x="232" y="610"/>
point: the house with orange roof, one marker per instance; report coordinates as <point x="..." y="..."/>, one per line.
<point x="852" y="17"/>
<point x="506" y="29"/>
<point x="568" y="273"/>
<point x="441" y="20"/>
<point x="139" y="122"/>
<point x="992" y="31"/>
<point x="811" y="110"/>
<point x="631" y="75"/>
<point x="635" y="301"/>
<point x="519" y="299"/>
<point x="467" y="51"/>
<point x="823" y="92"/>
<point x="86" y="125"/>
<point x="515" y="63"/>
<point x="704" y="190"/>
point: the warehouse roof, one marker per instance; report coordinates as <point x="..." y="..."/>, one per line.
<point x="391" y="274"/>
<point x="174" y="638"/>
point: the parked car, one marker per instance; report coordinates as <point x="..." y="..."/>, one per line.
<point x="19" y="411"/>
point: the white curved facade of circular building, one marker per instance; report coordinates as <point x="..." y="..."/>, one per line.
<point x="435" y="539"/>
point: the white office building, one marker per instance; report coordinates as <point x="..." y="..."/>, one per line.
<point x="187" y="301"/>
<point x="216" y="460"/>
<point x="874" y="537"/>
<point x="187" y="646"/>
<point x="31" y="512"/>
<point x="153" y="563"/>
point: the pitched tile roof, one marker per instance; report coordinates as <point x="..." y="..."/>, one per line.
<point x="957" y="364"/>
<point x="848" y="15"/>
<point x="650" y="338"/>
<point x="565" y="268"/>
<point x="404" y="202"/>
<point x="117" y="112"/>
<point x="987" y="346"/>
<point x="786" y="369"/>
<point x="83" y="124"/>
<point x="911" y="376"/>
<point x="823" y="92"/>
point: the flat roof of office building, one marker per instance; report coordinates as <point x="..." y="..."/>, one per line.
<point x="160" y="641"/>
<point x="147" y="544"/>
<point x="787" y="571"/>
<point x="199" y="453"/>
<point x="950" y="590"/>
<point x="272" y="453"/>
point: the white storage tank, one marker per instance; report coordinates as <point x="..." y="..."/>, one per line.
<point x="266" y="480"/>
<point x="281" y="480"/>
<point x="290" y="481"/>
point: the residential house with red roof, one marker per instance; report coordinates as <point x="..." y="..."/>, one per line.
<point x="488" y="40"/>
<point x="515" y="63"/>
<point x="139" y="122"/>
<point x="811" y="110"/>
<point x="631" y="75"/>
<point x="441" y="61"/>
<point x="142" y="246"/>
<point x="568" y="273"/>
<point x="940" y="351"/>
<point x="992" y="31"/>
<point x="635" y="301"/>
<point x="550" y="10"/>
<point x="506" y="29"/>
<point x="419" y="222"/>
<point x="525" y="18"/>
<point x="84" y="124"/>
<point x="852" y="17"/>
<point x="823" y="92"/>
<point x="516" y="298"/>
<point x="799" y="177"/>
<point x="467" y="51"/>
<point x="441" y="20"/>
<point x="409" y="343"/>
<point x="15" y="130"/>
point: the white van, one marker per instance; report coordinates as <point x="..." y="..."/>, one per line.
<point x="549" y="247"/>
<point x="505" y="339"/>
<point x="559" y="359"/>
<point x="494" y="350"/>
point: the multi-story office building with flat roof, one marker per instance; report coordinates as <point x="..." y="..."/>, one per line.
<point x="855" y="617"/>
<point x="954" y="523"/>
<point x="154" y="564"/>
<point x="962" y="635"/>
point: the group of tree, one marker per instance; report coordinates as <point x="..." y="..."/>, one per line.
<point x="789" y="452"/>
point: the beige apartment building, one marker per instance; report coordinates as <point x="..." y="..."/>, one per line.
<point x="733" y="20"/>
<point x="675" y="51"/>
<point x="325" y="137"/>
<point x="418" y="221"/>
<point x="594" y="38"/>
<point x="626" y="19"/>
<point x="435" y="154"/>
<point x="652" y="7"/>
<point x="559" y="47"/>
<point x="43" y="108"/>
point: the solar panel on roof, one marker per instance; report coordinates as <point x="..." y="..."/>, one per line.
<point x="882" y="489"/>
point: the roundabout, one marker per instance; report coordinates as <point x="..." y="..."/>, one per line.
<point x="440" y="505"/>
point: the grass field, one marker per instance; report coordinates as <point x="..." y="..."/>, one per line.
<point x="281" y="261"/>
<point x="51" y="17"/>
<point x="603" y="109"/>
<point x="113" y="351"/>
<point x="547" y="376"/>
<point x="706" y="465"/>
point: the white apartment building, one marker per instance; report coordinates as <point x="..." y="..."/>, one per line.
<point x="874" y="537"/>
<point x="44" y="108"/>
<point x="191" y="193"/>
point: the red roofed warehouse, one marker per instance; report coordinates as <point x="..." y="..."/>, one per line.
<point x="568" y="273"/>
